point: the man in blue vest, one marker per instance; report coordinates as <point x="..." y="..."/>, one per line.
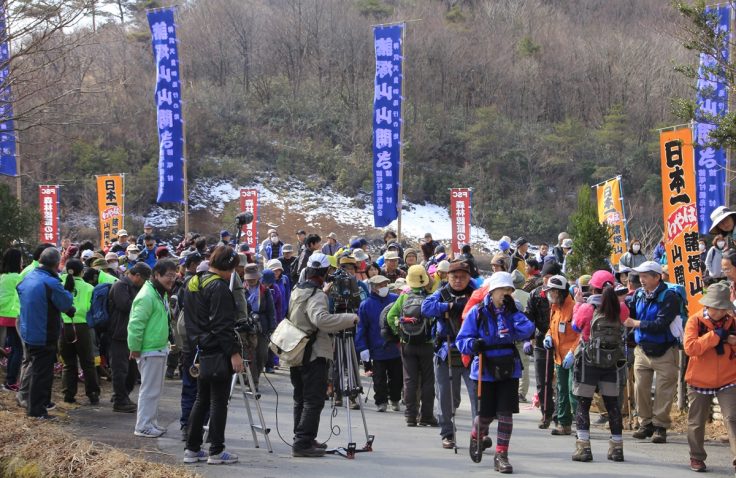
<point x="656" y="307"/>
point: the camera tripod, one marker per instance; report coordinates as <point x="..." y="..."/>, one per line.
<point x="347" y="383"/>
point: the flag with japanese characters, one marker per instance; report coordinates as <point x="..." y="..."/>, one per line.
<point x="460" y="214"/>
<point x="8" y="164"/>
<point x="711" y="103"/>
<point x="168" y="106"/>
<point x="387" y="123"/>
<point x="249" y="203"/>
<point x="111" y="206"/>
<point x="611" y="212"/>
<point x="48" y="202"/>
<point x="680" y="211"/>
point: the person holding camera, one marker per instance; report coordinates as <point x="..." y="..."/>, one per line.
<point x="210" y="317"/>
<point x="710" y="342"/>
<point x="262" y="313"/>
<point x="309" y="312"/>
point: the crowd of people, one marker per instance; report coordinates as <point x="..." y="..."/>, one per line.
<point x="425" y="320"/>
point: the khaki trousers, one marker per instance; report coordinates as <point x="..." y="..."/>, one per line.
<point x="698" y="413"/>
<point x="655" y="412"/>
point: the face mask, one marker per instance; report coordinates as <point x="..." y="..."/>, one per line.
<point x="383" y="291"/>
<point x="701" y="247"/>
<point x="721" y="244"/>
<point x="133" y="257"/>
<point x="636" y="248"/>
<point x="114" y="265"/>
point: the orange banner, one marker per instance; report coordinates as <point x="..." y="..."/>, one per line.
<point x="111" y="206"/>
<point x="680" y="211"/>
<point x="611" y="212"/>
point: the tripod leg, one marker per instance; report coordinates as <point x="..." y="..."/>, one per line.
<point x="242" y="381"/>
<point x="359" y="388"/>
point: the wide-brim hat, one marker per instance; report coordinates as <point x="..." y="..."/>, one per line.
<point x="360" y="255"/>
<point x="417" y="277"/>
<point x="378" y="279"/>
<point x="719" y="214"/>
<point x="500" y="280"/>
<point x="287" y="248"/>
<point x="718" y="296"/>
<point x="390" y="255"/>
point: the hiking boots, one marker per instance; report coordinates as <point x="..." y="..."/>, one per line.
<point x="644" y="432"/>
<point x="487" y="442"/>
<point x="313" y="452"/>
<point x="429" y="422"/>
<point x="501" y="463"/>
<point x="544" y="423"/>
<point x="697" y="465"/>
<point x="395" y="406"/>
<point x="615" y="450"/>
<point x="660" y="435"/>
<point x="582" y="451"/>
<point x="411" y="422"/>
<point x="128" y="407"/>
<point x="448" y="442"/>
<point x="562" y="430"/>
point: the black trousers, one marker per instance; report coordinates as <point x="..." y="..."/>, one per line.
<point x="42" y="378"/>
<point x="76" y="344"/>
<point x="124" y="372"/>
<point x="387" y="380"/>
<point x="310" y="385"/>
<point x="545" y="369"/>
<point x="418" y="369"/>
<point x="212" y="397"/>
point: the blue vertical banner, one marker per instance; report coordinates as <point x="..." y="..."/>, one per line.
<point x="168" y="106"/>
<point x="711" y="102"/>
<point x="387" y="123"/>
<point x="8" y="164"/>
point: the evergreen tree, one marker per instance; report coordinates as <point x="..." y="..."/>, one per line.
<point x="17" y="222"/>
<point x="591" y="246"/>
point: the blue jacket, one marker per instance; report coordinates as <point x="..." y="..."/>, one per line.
<point x="659" y="252"/>
<point x="284" y="286"/>
<point x="653" y="334"/>
<point x="519" y="328"/>
<point x="268" y="251"/>
<point x="42" y="299"/>
<point x="368" y="334"/>
<point x="149" y="257"/>
<point x="436" y="306"/>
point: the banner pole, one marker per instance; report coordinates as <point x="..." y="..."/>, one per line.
<point x="623" y="209"/>
<point x="400" y="194"/>
<point x="184" y="139"/>
<point x="18" y="182"/>
<point x="729" y="107"/>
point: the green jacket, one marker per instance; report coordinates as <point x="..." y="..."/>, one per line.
<point x="82" y="301"/>
<point x="395" y="314"/>
<point x="148" y="327"/>
<point x="28" y="269"/>
<point x="106" y="278"/>
<point x="9" y="302"/>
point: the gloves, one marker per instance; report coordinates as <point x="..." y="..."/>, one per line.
<point x="365" y="355"/>
<point x="723" y="334"/>
<point x="71" y="312"/>
<point x="528" y="349"/>
<point x="548" y="342"/>
<point x="509" y="304"/>
<point x="477" y="346"/>
<point x="568" y="360"/>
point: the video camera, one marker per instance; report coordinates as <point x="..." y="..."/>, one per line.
<point x="244" y="218"/>
<point x="251" y="325"/>
<point x="345" y="290"/>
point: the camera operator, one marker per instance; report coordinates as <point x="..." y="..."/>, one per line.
<point x="263" y="313"/>
<point x="309" y="313"/>
<point x="210" y="322"/>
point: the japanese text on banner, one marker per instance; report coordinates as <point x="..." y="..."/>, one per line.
<point x="680" y="215"/>
<point x="111" y="207"/>
<point x="711" y="102"/>
<point x="387" y="123"/>
<point x="168" y="106"/>
<point x="460" y="214"/>
<point x="249" y="203"/>
<point x="48" y="201"/>
<point x="8" y="165"/>
<point x="610" y="211"/>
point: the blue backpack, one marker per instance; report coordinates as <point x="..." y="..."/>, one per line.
<point x="99" y="314"/>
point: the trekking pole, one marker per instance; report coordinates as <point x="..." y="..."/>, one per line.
<point x="477" y="454"/>
<point x="452" y="393"/>
<point x="547" y="386"/>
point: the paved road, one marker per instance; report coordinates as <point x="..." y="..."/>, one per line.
<point x="398" y="450"/>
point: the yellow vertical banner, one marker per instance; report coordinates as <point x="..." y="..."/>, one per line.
<point x="111" y="206"/>
<point x="611" y="212"/>
<point x="680" y="210"/>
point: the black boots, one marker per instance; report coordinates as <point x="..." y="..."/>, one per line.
<point x="501" y="463"/>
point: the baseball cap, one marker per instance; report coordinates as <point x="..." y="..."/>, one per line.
<point x="86" y="254"/>
<point x="379" y="279"/>
<point x="111" y="256"/>
<point x="459" y="266"/>
<point x="133" y="248"/>
<point x="649" y="266"/>
<point x="318" y="261"/>
<point x="162" y="251"/>
<point x="556" y="282"/>
<point x="274" y="264"/>
<point x="122" y="232"/>
<point x="287" y="248"/>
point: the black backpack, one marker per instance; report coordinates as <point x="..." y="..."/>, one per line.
<point x="387" y="333"/>
<point x="605" y="347"/>
<point x="417" y="331"/>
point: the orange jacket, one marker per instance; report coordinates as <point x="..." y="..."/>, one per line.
<point x="707" y="369"/>
<point x="564" y="342"/>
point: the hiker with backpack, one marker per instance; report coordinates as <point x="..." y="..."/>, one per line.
<point x="657" y="306"/>
<point x="562" y="339"/>
<point x="489" y="331"/>
<point x="75" y="343"/>
<point x="597" y="359"/>
<point x="417" y="349"/>
<point x="124" y="369"/>
<point x="446" y="306"/>
<point x="371" y="344"/>
<point x="710" y="342"/>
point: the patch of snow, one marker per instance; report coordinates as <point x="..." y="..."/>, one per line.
<point x="212" y="195"/>
<point x="160" y="217"/>
<point x="76" y="219"/>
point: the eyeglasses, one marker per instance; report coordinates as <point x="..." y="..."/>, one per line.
<point x="170" y="275"/>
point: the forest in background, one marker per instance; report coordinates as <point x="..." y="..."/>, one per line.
<point x="522" y="100"/>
